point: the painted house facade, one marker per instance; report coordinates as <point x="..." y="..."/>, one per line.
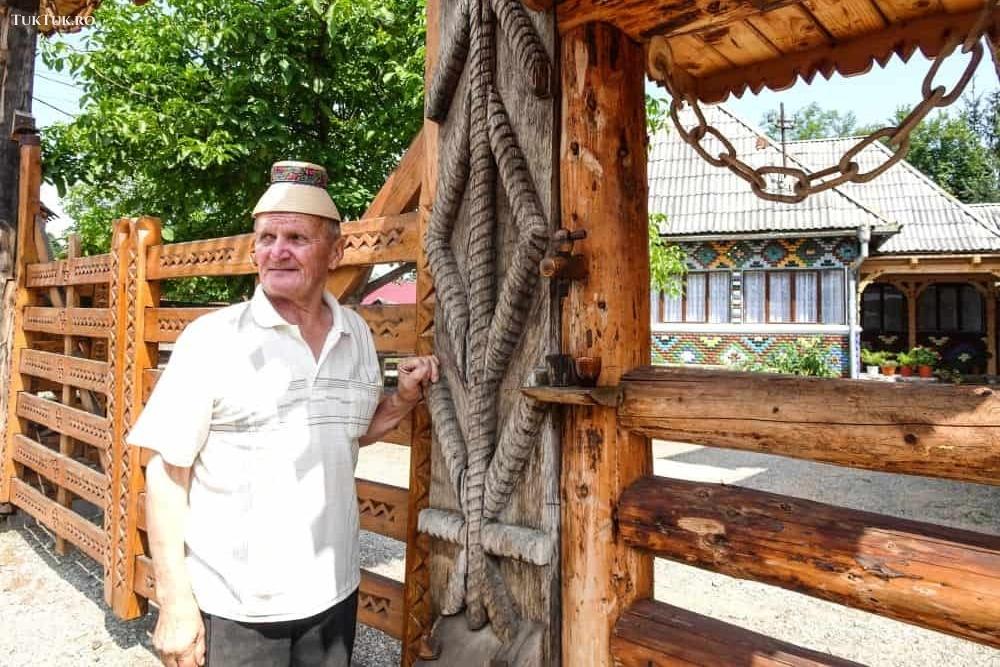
<point x="761" y="273"/>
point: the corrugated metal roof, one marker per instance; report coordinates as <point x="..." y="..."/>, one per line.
<point x="930" y="219"/>
<point x="699" y="199"/>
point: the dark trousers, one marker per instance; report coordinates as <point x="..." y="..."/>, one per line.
<point x="323" y="640"/>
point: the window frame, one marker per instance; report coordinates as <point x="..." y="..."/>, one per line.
<point x="882" y="288"/>
<point x="662" y="299"/>
<point x="792" y="320"/>
<point x="959" y="309"/>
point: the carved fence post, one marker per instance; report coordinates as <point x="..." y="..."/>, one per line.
<point x="604" y="193"/>
<point x="130" y="355"/>
<point x="29" y="206"/>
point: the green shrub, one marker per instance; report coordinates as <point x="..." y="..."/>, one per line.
<point x="803" y="357"/>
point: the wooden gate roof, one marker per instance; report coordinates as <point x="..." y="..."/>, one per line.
<point x="718" y="47"/>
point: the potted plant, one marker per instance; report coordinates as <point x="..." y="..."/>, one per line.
<point x="925" y="358"/>
<point x="906" y="364"/>
<point x="872" y="360"/>
<point x="889" y="365"/>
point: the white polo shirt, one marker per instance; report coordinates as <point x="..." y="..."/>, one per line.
<point x="272" y="435"/>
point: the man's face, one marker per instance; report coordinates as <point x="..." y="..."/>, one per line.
<point x="294" y="252"/>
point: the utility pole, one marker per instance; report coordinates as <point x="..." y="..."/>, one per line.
<point x="18" y="40"/>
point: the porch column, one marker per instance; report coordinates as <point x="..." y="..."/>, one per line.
<point x="991" y="330"/>
<point x="912" y="294"/>
<point x="605" y="316"/>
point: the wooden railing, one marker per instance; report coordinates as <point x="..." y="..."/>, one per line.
<point x="68" y="412"/>
<point x="935" y="577"/>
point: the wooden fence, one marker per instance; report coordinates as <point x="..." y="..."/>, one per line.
<point x="73" y="402"/>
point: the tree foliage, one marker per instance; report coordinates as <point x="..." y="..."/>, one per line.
<point x="187" y="103"/>
<point x="666" y="260"/>
<point x="811" y="122"/>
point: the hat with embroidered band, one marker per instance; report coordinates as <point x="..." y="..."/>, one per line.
<point x="297" y="187"/>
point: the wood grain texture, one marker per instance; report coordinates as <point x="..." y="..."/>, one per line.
<point x="604" y="192"/>
<point x="74" y="371"/>
<point x="89" y="270"/>
<point x="383" y="508"/>
<point x="65" y="523"/>
<point x="62" y="470"/>
<point x="936" y="577"/>
<point x="654" y="634"/>
<point x="640" y="19"/>
<point x="91" y="322"/>
<point x="83" y="426"/>
<point x="936" y="430"/>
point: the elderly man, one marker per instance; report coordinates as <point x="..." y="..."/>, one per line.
<point x="256" y="422"/>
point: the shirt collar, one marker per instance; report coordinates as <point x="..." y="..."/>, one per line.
<point x="265" y="314"/>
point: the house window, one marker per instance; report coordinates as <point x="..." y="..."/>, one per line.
<point x="705" y="298"/>
<point x="799" y="296"/>
<point x="951" y="308"/>
<point x="883" y="309"/>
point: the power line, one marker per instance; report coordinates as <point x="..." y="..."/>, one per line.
<point x="52" y="106"/>
<point x="54" y="80"/>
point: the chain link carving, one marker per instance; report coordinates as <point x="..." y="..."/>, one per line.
<point x="847" y="170"/>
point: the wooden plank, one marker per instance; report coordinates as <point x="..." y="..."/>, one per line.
<point x="164" y="325"/>
<point x="640" y="19"/>
<point x="846" y="19"/>
<point x="606" y="396"/>
<point x="789" y="28"/>
<point x="62" y="470"/>
<point x="740" y="43"/>
<point x="82" y="426"/>
<point x="383" y="508"/>
<point x="91" y="322"/>
<point x="853" y="56"/>
<point x="381" y="240"/>
<point x="380" y="599"/>
<point x="394" y="327"/>
<point x="149" y="379"/>
<point x="75" y="371"/>
<point x="901" y="10"/>
<point x="936" y="577"/>
<point x="85" y="536"/>
<point x="380" y="603"/>
<point x="654" y="633"/>
<point x="75" y="271"/>
<point x="934" y="430"/>
<point x="604" y="192"/>
<point x="696" y="56"/>
<point x="67" y="445"/>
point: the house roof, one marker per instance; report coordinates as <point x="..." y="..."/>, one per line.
<point x="391" y="293"/>
<point x="699" y="199"/>
<point x="930" y="219"/>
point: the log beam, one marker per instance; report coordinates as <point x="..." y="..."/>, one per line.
<point x="934" y="430"/>
<point x="939" y="578"/>
<point x="604" y="192"/>
<point x="654" y="633"/>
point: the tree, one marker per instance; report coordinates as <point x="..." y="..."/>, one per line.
<point x="187" y="104"/>
<point x="811" y="122"/>
<point x="948" y="149"/>
<point x="666" y="260"/>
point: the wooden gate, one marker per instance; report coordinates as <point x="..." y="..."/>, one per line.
<point x="69" y="411"/>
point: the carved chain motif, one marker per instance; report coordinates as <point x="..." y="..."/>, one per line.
<point x="483" y="321"/>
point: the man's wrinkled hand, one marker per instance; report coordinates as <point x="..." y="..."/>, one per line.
<point x="415" y="374"/>
<point x="179" y="637"/>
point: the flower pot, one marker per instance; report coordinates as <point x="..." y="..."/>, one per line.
<point x="925" y="371"/>
<point x="872" y="370"/>
<point x="888" y="370"/>
<point x="906" y="371"/>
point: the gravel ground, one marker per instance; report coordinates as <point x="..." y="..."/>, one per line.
<point x="52" y="606"/>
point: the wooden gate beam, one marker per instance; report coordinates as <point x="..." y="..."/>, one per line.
<point x="604" y="193"/>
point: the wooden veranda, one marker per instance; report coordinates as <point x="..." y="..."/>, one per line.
<point x="532" y="516"/>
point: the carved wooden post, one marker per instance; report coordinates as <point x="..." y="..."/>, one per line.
<point x="603" y="168"/>
<point x="130" y="355"/>
<point x="417" y="594"/>
<point x="66" y="444"/>
<point x="29" y="207"/>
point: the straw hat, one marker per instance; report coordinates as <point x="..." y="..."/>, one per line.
<point x="297" y="187"/>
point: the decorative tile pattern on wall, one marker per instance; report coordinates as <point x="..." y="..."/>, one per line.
<point x="718" y="349"/>
<point x="771" y="253"/>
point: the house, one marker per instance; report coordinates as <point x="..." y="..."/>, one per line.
<point x="889" y="264"/>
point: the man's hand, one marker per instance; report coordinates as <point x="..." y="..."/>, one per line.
<point x="179" y="637"/>
<point x="415" y="374"/>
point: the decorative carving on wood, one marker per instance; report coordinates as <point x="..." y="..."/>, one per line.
<point x="75" y="271"/>
<point x="93" y="322"/>
<point x="75" y="371"/>
<point x="62" y="470"/>
<point x="83" y="426"/>
<point x="483" y="312"/>
<point x="62" y="521"/>
<point x="383" y="508"/>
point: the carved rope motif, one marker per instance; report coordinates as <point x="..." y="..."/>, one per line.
<point x="482" y="321"/>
